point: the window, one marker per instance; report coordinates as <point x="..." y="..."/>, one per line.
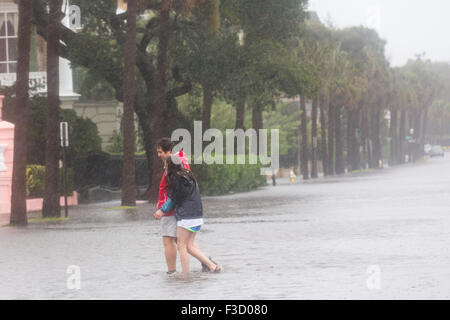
<point x="9" y="22"/>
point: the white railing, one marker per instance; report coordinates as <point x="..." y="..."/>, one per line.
<point x="37" y="81"/>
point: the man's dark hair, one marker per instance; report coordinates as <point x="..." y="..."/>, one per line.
<point x="165" y="144"/>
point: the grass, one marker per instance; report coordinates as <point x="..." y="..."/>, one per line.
<point x="52" y="219"/>
<point x="40" y="220"/>
<point x="122" y="208"/>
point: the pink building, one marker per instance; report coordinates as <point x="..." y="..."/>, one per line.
<point x="6" y="161"/>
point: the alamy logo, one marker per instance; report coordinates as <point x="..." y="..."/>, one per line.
<point x="213" y="153"/>
<point x="73" y="17"/>
<point x="374" y="280"/>
<point x="74" y="280"/>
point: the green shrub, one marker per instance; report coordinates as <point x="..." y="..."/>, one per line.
<point x="102" y="169"/>
<point x="83" y="133"/>
<point x="219" y="179"/>
<point x="35" y="181"/>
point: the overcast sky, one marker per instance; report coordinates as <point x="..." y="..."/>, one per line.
<point x="410" y="27"/>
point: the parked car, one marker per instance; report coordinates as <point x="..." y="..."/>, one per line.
<point x="436" y="151"/>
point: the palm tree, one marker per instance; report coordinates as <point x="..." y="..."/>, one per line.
<point x="406" y="99"/>
<point x="337" y="90"/>
<point x="51" y="206"/>
<point x="313" y="48"/>
<point x="128" y="169"/>
<point x="304" y="139"/>
<point x="18" y="196"/>
<point x="316" y="47"/>
<point x="161" y="74"/>
<point x="160" y="93"/>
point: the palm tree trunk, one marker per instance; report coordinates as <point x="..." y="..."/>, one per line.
<point x="18" y="189"/>
<point x="304" y="147"/>
<point x="394" y="136"/>
<point x="417" y="134"/>
<point x="161" y="89"/>
<point x="51" y="206"/>
<point x="350" y="138"/>
<point x="365" y="137"/>
<point x="240" y="114"/>
<point x="207" y="106"/>
<point x="356" y="158"/>
<point x="314" y="170"/>
<point x="331" y="119"/>
<point x="257" y="119"/>
<point x="323" y="124"/>
<point x="128" y="167"/>
<point x="424" y="130"/>
<point x="377" y="155"/>
<point x="401" y="138"/>
<point x="340" y="163"/>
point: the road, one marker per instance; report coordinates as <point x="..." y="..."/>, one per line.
<point x="373" y="235"/>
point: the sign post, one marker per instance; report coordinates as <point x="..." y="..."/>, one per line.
<point x="64" y="136"/>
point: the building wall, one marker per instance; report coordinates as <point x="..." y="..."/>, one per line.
<point x="105" y="114"/>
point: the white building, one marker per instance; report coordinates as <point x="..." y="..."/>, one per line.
<point x="9" y="20"/>
<point x="106" y="114"/>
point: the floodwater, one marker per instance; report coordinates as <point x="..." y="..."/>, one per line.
<point x="374" y="235"/>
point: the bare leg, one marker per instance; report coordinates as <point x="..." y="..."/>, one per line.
<point x="182" y="244"/>
<point x="195" y="251"/>
<point x="170" y="251"/>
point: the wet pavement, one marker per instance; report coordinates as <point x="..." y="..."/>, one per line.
<point x="374" y="235"/>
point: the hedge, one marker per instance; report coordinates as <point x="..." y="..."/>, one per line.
<point x="35" y="181"/>
<point x="217" y="179"/>
<point x="103" y="169"/>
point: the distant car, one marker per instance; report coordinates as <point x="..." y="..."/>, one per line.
<point x="436" y="151"/>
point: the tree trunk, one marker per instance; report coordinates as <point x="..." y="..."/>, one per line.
<point x="376" y="143"/>
<point x="257" y="118"/>
<point x="365" y="137"/>
<point x="324" y="152"/>
<point x="423" y="139"/>
<point x="356" y="157"/>
<point x="304" y="148"/>
<point x="314" y="170"/>
<point x="350" y="138"/>
<point x="394" y="136"/>
<point x="161" y="89"/>
<point x="18" y="189"/>
<point x="257" y="122"/>
<point x="401" y="138"/>
<point x="240" y="114"/>
<point x="207" y="106"/>
<point x="331" y="119"/>
<point x="128" y="167"/>
<point x="51" y="206"/>
<point x="340" y="163"/>
<point x="417" y="133"/>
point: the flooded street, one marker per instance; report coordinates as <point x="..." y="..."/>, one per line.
<point x="374" y="235"/>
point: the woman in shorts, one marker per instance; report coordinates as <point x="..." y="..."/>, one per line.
<point x="184" y="196"/>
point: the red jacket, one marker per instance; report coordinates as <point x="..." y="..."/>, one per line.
<point x="164" y="183"/>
